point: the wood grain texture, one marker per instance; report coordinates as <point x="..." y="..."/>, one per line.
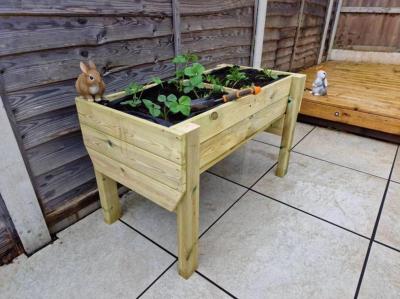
<point x="91" y="7"/>
<point x="42" y="43"/>
<point x="18" y="69"/>
<point x="365" y="95"/>
<point x="384" y="35"/>
<point x="10" y="246"/>
<point x="21" y="34"/>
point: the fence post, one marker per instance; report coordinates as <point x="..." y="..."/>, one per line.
<point x="17" y="190"/>
<point x="176" y="24"/>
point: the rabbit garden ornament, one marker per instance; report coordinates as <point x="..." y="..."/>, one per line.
<point x="320" y="85"/>
<point x="89" y="84"/>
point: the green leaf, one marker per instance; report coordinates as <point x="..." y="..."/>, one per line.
<point x="174" y="107"/>
<point x="189" y="71"/>
<point x="197" y="80"/>
<point x="133" y="103"/>
<point x="198" y="69"/>
<point x="154" y="109"/>
<point x="180" y="59"/>
<point x="172" y="98"/>
<point x="188" y="89"/>
<point x="184" y="105"/>
<point x="157" y="80"/>
<point x="162" y="98"/>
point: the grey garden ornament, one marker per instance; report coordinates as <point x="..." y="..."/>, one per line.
<point x="320" y="84"/>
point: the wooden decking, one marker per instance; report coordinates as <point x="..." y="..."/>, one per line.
<point x="362" y="95"/>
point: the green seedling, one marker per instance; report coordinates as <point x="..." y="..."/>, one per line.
<point x="174" y="105"/>
<point x="217" y="84"/>
<point x="154" y="109"/>
<point x="234" y="76"/>
<point x="269" y="74"/>
<point x="136" y="90"/>
<point x="157" y="80"/>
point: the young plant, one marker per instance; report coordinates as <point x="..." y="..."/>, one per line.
<point x="136" y="90"/>
<point x="154" y="109"/>
<point x="269" y="74"/>
<point x="175" y="105"/>
<point x="195" y="78"/>
<point x="157" y="80"/>
<point x="234" y="76"/>
<point x="217" y="84"/>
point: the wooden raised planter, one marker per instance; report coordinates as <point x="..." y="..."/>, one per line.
<point x="164" y="164"/>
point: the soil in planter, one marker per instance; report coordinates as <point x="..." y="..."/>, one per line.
<point x="208" y="102"/>
<point x="254" y="77"/>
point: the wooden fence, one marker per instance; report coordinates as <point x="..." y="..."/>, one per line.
<point x="369" y="25"/>
<point x="42" y="44"/>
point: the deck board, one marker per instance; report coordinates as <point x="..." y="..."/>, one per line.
<point x="365" y="95"/>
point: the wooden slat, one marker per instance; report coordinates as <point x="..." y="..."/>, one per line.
<point x="38" y="100"/>
<point x="216" y="148"/>
<point x="160" y="194"/>
<point x="45" y="127"/>
<point x="197" y="42"/>
<point x="227" y="114"/>
<point x="234" y="18"/>
<point x="55" y="153"/>
<point x="21" y="34"/>
<point x="61" y="180"/>
<point x="365" y="95"/>
<point x="139" y="132"/>
<point x="351" y="117"/>
<point x="370" y="88"/>
<point x="63" y="64"/>
<point x="163" y="170"/>
<point x="90" y="7"/>
<point x="10" y="246"/>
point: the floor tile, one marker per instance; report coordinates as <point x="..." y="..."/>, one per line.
<point x="382" y="275"/>
<point x="396" y="169"/>
<point x="247" y="164"/>
<point x="216" y="196"/>
<point x="171" y="285"/>
<point x="89" y="260"/>
<point x="389" y="224"/>
<point x="302" y="130"/>
<point x="361" y="153"/>
<point x="340" y="195"/>
<point x="264" y="249"/>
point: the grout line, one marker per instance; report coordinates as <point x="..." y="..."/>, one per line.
<point x="215" y="284"/>
<point x="276" y="163"/>
<point x="226" y="179"/>
<point x="388" y="246"/>
<point x="220" y="216"/>
<point x="333" y="163"/>
<point x="146" y="237"/>
<point x="158" y="277"/>
<point x="264" y="143"/>
<point x="312" y="215"/>
<point x="375" y="228"/>
<point x="312" y="130"/>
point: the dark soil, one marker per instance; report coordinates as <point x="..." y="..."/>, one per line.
<point x="254" y="77"/>
<point x="152" y="94"/>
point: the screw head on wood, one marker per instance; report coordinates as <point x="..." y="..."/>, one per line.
<point x="337" y="113"/>
<point x="214" y="115"/>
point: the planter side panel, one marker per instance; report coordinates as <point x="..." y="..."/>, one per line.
<point x="222" y="117"/>
<point x="145" y="157"/>
<point x="141" y="133"/>
<point x="218" y="147"/>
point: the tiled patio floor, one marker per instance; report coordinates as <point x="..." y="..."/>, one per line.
<point x="329" y="229"/>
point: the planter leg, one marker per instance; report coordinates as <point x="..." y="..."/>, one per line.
<point x="109" y="198"/>
<point x="292" y="110"/>
<point x="188" y="209"/>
